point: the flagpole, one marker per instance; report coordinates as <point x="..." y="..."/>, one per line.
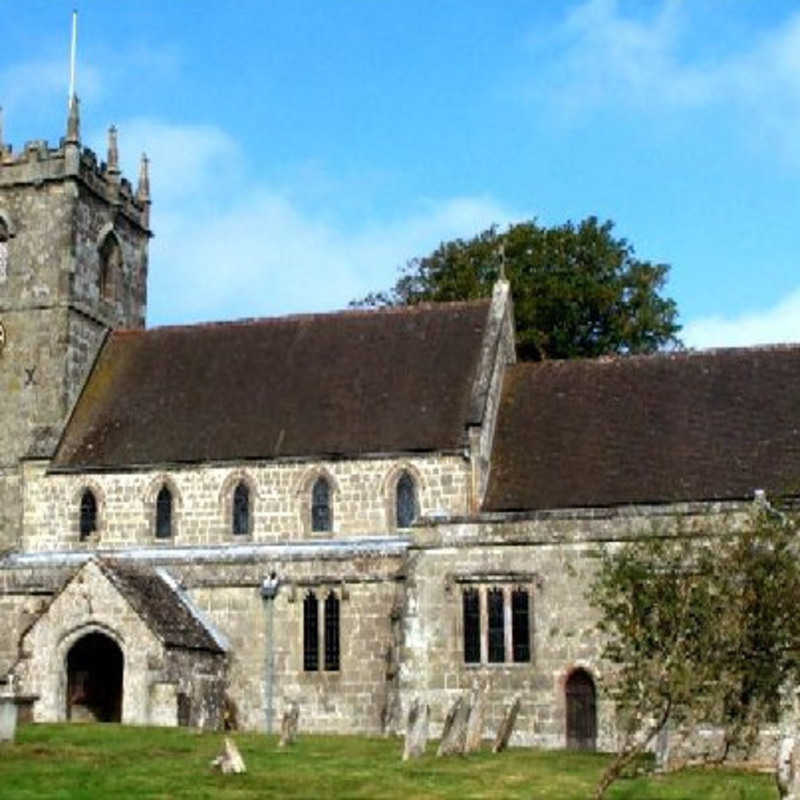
<point x="72" y="51"/>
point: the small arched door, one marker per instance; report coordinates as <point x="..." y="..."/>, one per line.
<point x="94" y="679"/>
<point x="581" y="711"/>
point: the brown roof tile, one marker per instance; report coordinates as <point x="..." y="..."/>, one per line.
<point x="672" y="427"/>
<point x="334" y="384"/>
<point x="159" y="606"/>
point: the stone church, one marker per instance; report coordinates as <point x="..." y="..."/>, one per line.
<point x="346" y="511"/>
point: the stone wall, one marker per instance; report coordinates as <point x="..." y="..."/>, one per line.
<point x="353" y="698"/>
<point x="226" y="588"/>
<point x="400" y="618"/>
<point x="10" y="506"/>
<point x="553" y="557"/>
<point x="56" y="205"/>
<point x="93" y="220"/>
<point x="363" y="500"/>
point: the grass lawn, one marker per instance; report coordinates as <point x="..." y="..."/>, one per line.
<point x="110" y="761"/>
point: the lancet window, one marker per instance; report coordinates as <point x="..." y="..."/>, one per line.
<point x="321" y="517"/>
<point x="405" y="501"/>
<point x="164" y="513"/>
<point x="321" y="630"/>
<point x="241" y="510"/>
<point x="88" y="514"/>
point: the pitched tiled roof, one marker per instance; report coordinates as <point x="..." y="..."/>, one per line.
<point x="334" y="384"/>
<point x="665" y="428"/>
<point x="157" y="603"/>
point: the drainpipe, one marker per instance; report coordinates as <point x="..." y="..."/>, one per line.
<point x="269" y="588"/>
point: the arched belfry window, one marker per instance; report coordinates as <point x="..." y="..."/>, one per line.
<point x="110" y="266"/>
<point x="164" y="513"/>
<point x="241" y="510"/>
<point x="406" y="501"/>
<point x="88" y="517"/>
<point x="321" y="505"/>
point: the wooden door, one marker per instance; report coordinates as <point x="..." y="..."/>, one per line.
<point x="581" y="711"/>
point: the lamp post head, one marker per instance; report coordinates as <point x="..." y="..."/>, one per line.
<point x="269" y="586"/>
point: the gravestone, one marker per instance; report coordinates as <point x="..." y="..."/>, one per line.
<point x="477" y="714"/>
<point x="454" y="733"/>
<point x="289" y="725"/>
<point x="787" y="774"/>
<point x="506" y="727"/>
<point x="8" y="717"/>
<point x="662" y="749"/>
<point x="416" y="730"/>
<point x="229" y="761"/>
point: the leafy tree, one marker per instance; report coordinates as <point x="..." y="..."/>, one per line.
<point x="700" y="627"/>
<point x="578" y="290"/>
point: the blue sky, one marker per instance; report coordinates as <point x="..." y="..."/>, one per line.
<point x="302" y="152"/>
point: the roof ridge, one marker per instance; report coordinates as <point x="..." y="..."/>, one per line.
<point x="662" y="355"/>
<point x="449" y="305"/>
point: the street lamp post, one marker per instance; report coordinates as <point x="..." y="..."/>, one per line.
<point x="269" y="588"/>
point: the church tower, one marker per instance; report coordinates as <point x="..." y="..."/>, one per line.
<point x="74" y="238"/>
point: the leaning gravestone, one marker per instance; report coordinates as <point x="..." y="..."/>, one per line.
<point x="229" y="761"/>
<point x="454" y="733"/>
<point x="474" y="733"/>
<point x="506" y="727"/>
<point x="662" y="748"/>
<point x="289" y="725"/>
<point x="416" y="730"/>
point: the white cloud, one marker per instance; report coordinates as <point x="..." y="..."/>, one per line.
<point x="603" y="58"/>
<point x="27" y="85"/>
<point x="228" y="248"/>
<point x="264" y="256"/>
<point x="189" y="162"/>
<point x="781" y="323"/>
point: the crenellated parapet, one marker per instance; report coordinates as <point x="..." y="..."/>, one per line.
<point x="39" y="163"/>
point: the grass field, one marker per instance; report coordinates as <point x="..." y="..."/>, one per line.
<point x="73" y="762"/>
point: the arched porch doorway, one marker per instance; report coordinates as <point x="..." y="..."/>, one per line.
<point x="94" y="679"/>
<point x="581" y="711"/>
